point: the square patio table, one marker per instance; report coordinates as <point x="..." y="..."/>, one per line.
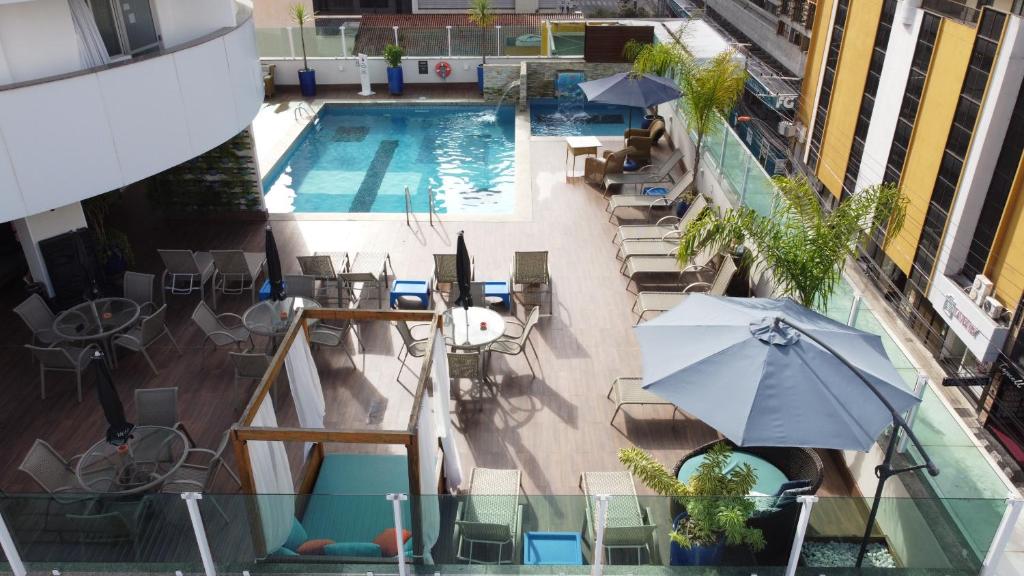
<point x="553" y="548"/>
<point x="580" y="146"/>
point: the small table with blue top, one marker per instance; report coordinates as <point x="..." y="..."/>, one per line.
<point x="418" y="289"/>
<point x="553" y="548"/>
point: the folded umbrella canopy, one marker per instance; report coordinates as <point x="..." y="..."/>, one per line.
<point x="274" y="276"/>
<point x="767" y="372"/>
<point x="119" y="430"/>
<point x="463" y="273"/>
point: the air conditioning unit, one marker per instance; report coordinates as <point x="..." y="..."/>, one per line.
<point x="993" y="308"/>
<point x="981" y="289"/>
<point x="787" y="129"/>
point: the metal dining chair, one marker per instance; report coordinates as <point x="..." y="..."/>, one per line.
<point x="159" y="407"/>
<point x="248" y="366"/>
<point x="62" y="359"/>
<point x="36" y="314"/>
<point x="138" y="288"/>
<point x="196" y="475"/>
<point x="143" y="335"/>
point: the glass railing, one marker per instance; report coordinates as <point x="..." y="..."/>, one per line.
<point x="527" y="533"/>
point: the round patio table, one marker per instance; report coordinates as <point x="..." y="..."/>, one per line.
<point x="96" y="320"/>
<point x="769" y="478"/>
<point x="472" y="334"/>
<point x="151" y="455"/>
<point x="272" y="318"/>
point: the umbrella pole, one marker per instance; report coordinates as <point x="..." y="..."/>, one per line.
<point x="883" y="472"/>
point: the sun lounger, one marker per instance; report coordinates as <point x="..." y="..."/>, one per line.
<point x="490" y="515"/>
<point x="667" y="246"/>
<point x="647" y="302"/>
<point x="629" y="391"/>
<point x="627" y="525"/>
<point x="648" y="174"/>
<point x="649" y="203"/>
<point x="664" y="225"/>
<point x="666" y="270"/>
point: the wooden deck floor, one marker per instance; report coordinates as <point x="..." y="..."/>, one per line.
<point x="552" y="427"/>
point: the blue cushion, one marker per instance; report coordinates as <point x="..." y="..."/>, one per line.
<point x="361" y="549"/>
<point x="656" y="191"/>
<point x="297" y="536"/>
<point x="792" y="485"/>
<point x="284" y="551"/>
<point x="630" y="165"/>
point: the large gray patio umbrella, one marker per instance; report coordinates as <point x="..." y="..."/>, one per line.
<point x="768" y="372"/>
<point x="626" y="89"/>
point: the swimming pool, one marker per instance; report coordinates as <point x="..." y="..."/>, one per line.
<point x="359" y="159"/>
<point x="549" y="117"/>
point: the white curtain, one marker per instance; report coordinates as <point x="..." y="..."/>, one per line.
<point x="273" y="479"/>
<point x="426" y="436"/>
<point x="442" y="411"/>
<point x="91" y="49"/>
<point x="304" y="381"/>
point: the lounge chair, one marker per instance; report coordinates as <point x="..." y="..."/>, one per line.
<point x="236" y="272"/>
<point x="597" y="170"/>
<point x="665" y="224"/>
<point x="647" y="302"/>
<point x="630" y="391"/>
<point x="641" y="140"/>
<point x="667" y="245"/>
<point x="648" y="174"/>
<point x="627" y="526"/>
<point x="665" y="267"/>
<point x="186" y="271"/>
<point x="649" y="203"/>
<point x="490" y="515"/>
<point x="325" y="268"/>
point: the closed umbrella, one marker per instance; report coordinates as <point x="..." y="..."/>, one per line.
<point x="770" y="372"/>
<point x="463" y="277"/>
<point x="626" y="89"/>
<point x="274" y="275"/>
<point x="119" y="430"/>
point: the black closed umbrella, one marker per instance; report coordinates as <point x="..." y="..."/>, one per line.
<point x="119" y="430"/>
<point x="463" y="273"/>
<point x="274" y="275"/>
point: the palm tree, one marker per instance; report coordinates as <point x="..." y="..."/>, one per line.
<point x="481" y="15"/>
<point x="301" y="16"/>
<point x="803" y="248"/>
<point x="662" y="59"/>
<point x="710" y="90"/>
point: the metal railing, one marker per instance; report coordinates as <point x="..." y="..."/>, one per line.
<point x="431" y="209"/>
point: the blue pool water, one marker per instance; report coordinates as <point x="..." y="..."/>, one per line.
<point x="551" y="117"/>
<point x="361" y="158"/>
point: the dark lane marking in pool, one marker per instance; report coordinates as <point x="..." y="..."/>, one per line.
<point x="367" y="193"/>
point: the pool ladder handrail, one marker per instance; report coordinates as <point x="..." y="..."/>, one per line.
<point x="302" y="110"/>
<point x="430" y="206"/>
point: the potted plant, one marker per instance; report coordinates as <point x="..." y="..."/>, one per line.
<point x="307" y="78"/>
<point x="715" y="504"/>
<point x="481" y="15"/>
<point x="393" y="56"/>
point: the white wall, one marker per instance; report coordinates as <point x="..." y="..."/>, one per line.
<point x="184" y="20"/>
<point x="38" y="39"/>
<point x="34" y="229"/>
<point x="74" y="138"/>
<point x="5" y="71"/>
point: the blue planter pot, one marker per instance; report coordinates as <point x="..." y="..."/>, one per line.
<point x="480" y="77"/>
<point x="694" y="555"/>
<point x="307" y="83"/>
<point x="395" y="81"/>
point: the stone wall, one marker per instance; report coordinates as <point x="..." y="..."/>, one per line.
<point x="540" y="76"/>
<point x="496" y="78"/>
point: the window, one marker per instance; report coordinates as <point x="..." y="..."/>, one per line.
<point x="781" y="28"/>
<point x="832" y="58"/>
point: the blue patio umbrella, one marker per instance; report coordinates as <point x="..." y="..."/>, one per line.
<point x="768" y="372"/>
<point x="626" y="89"/>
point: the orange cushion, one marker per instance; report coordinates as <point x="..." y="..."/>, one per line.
<point x="314" y="547"/>
<point x="386" y="541"/>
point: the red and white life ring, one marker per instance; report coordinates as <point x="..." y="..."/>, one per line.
<point x="443" y="69"/>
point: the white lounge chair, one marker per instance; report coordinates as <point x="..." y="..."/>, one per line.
<point x="648" y="202"/>
<point x="664" y="225"/>
<point x="647" y="302"/>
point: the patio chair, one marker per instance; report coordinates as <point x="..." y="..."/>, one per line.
<point x="62" y="359"/>
<point x="268" y="80"/>
<point x="444" y="272"/>
<point x="411" y="346"/>
<point x="236" y="272"/>
<point x="323" y="334"/>
<point x="641" y="269"/>
<point x="649" y="174"/>
<point x="248" y="366"/>
<point x="654" y="301"/>
<point x="321" y="267"/>
<point x="36" y="314"/>
<point x="627" y="526"/>
<point x="217" y="331"/>
<point x="467" y="365"/>
<point x="159" y="407"/>
<point x="530" y="270"/>
<point x="142" y="336"/>
<point x="301" y="285"/>
<point x="513" y="345"/>
<point x="185" y="271"/>
<point x="665" y="224"/>
<point x="723" y="276"/>
<point x="51" y="471"/>
<point x="597" y="170"/>
<point x="490" y="515"/>
<point x="641" y="140"/>
<point x="138" y="288"/>
<point x="649" y="203"/>
<point x="199" y="476"/>
<point x="630" y="391"/>
<point x="668" y="245"/>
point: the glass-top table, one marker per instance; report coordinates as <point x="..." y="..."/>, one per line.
<point x="769" y="478"/>
<point x="149" y="457"/>
<point x="96" y="320"/>
<point x="483" y="327"/>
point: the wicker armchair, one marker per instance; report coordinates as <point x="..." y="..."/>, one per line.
<point x="642" y="140"/>
<point x="595" y="169"/>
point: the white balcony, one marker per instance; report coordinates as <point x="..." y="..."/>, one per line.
<point x="81" y="133"/>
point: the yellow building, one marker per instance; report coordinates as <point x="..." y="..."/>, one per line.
<point x="926" y="94"/>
